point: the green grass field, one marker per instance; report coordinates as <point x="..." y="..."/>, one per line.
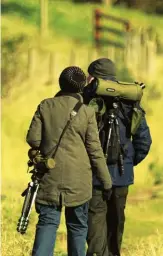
<point x="68" y="24"/>
<point x="66" y="27"/>
<point x="144" y="212"/>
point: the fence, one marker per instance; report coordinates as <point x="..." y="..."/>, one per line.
<point x="138" y="50"/>
<point x="138" y="53"/>
<point x="47" y="65"/>
<point x="139" y="57"/>
<point x="99" y="27"/>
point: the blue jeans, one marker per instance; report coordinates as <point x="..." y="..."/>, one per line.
<point x="48" y="223"/>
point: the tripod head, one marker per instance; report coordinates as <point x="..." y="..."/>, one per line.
<point x="112" y="113"/>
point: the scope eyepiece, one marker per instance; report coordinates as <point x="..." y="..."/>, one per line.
<point x="142" y="85"/>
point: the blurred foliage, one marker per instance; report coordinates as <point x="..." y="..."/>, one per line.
<point x="27" y="10"/>
<point x="154" y="93"/>
<point x="149" y="6"/>
<point x="13" y="65"/>
<point x="156" y="171"/>
<point x="125" y="74"/>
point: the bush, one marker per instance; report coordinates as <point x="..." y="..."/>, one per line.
<point x="12" y="63"/>
<point x="156" y="171"/>
<point x="149" y="6"/>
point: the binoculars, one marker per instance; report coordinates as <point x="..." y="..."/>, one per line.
<point x="40" y="162"/>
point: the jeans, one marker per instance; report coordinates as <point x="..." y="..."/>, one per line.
<point x="106" y="222"/>
<point x="48" y="223"/>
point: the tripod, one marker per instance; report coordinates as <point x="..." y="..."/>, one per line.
<point x="30" y="194"/>
<point x="113" y="122"/>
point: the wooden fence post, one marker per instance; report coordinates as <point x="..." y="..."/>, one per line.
<point x="107" y="2"/>
<point x="94" y="54"/>
<point x="31" y="65"/>
<point x="136" y="46"/>
<point x="52" y="57"/>
<point x="151" y="51"/>
<point x="143" y="52"/>
<point x="43" y="18"/>
<point x="89" y="56"/>
<point x="151" y="58"/>
<point x="72" y="58"/>
<point x="97" y="34"/>
<point x="128" y="49"/>
<point x="111" y="53"/>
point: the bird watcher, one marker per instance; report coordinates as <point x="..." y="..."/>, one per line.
<point x="64" y="130"/>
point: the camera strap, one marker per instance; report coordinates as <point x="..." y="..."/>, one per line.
<point x="72" y="115"/>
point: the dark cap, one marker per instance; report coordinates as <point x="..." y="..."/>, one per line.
<point x="72" y="79"/>
<point x="102" y="68"/>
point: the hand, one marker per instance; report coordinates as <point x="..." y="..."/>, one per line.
<point x="32" y="153"/>
<point x="107" y="194"/>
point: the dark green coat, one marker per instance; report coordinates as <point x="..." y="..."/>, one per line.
<point x="70" y="182"/>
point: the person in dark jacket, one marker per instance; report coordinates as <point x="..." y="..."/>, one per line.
<point x="107" y="218"/>
<point x="79" y="153"/>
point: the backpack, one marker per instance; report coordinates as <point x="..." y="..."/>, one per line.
<point x="107" y="116"/>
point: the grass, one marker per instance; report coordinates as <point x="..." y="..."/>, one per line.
<point x="143" y="215"/>
<point x="143" y="226"/>
<point x="76" y="24"/>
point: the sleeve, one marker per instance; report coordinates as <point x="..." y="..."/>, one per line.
<point x="141" y="142"/>
<point x="95" y="153"/>
<point x="34" y="133"/>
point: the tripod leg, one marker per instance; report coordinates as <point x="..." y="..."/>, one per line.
<point x="121" y="163"/>
<point x="108" y="140"/>
<point x="27" y="206"/>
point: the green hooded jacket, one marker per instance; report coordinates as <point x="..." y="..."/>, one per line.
<point x="70" y="182"/>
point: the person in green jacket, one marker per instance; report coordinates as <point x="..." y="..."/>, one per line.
<point x="79" y="154"/>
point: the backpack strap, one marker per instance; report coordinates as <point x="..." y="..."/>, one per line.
<point x="129" y="123"/>
<point x="126" y="121"/>
<point x="72" y="115"/>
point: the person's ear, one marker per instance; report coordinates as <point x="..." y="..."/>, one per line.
<point x="90" y="79"/>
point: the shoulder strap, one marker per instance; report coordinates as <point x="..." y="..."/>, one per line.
<point x="126" y="121"/>
<point x="72" y="115"/>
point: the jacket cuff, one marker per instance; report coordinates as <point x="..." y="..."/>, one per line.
<point x="107" y="186"/>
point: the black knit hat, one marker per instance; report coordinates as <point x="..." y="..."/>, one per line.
<point x="72" y="79"/>
<point x="102" y="68"/>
